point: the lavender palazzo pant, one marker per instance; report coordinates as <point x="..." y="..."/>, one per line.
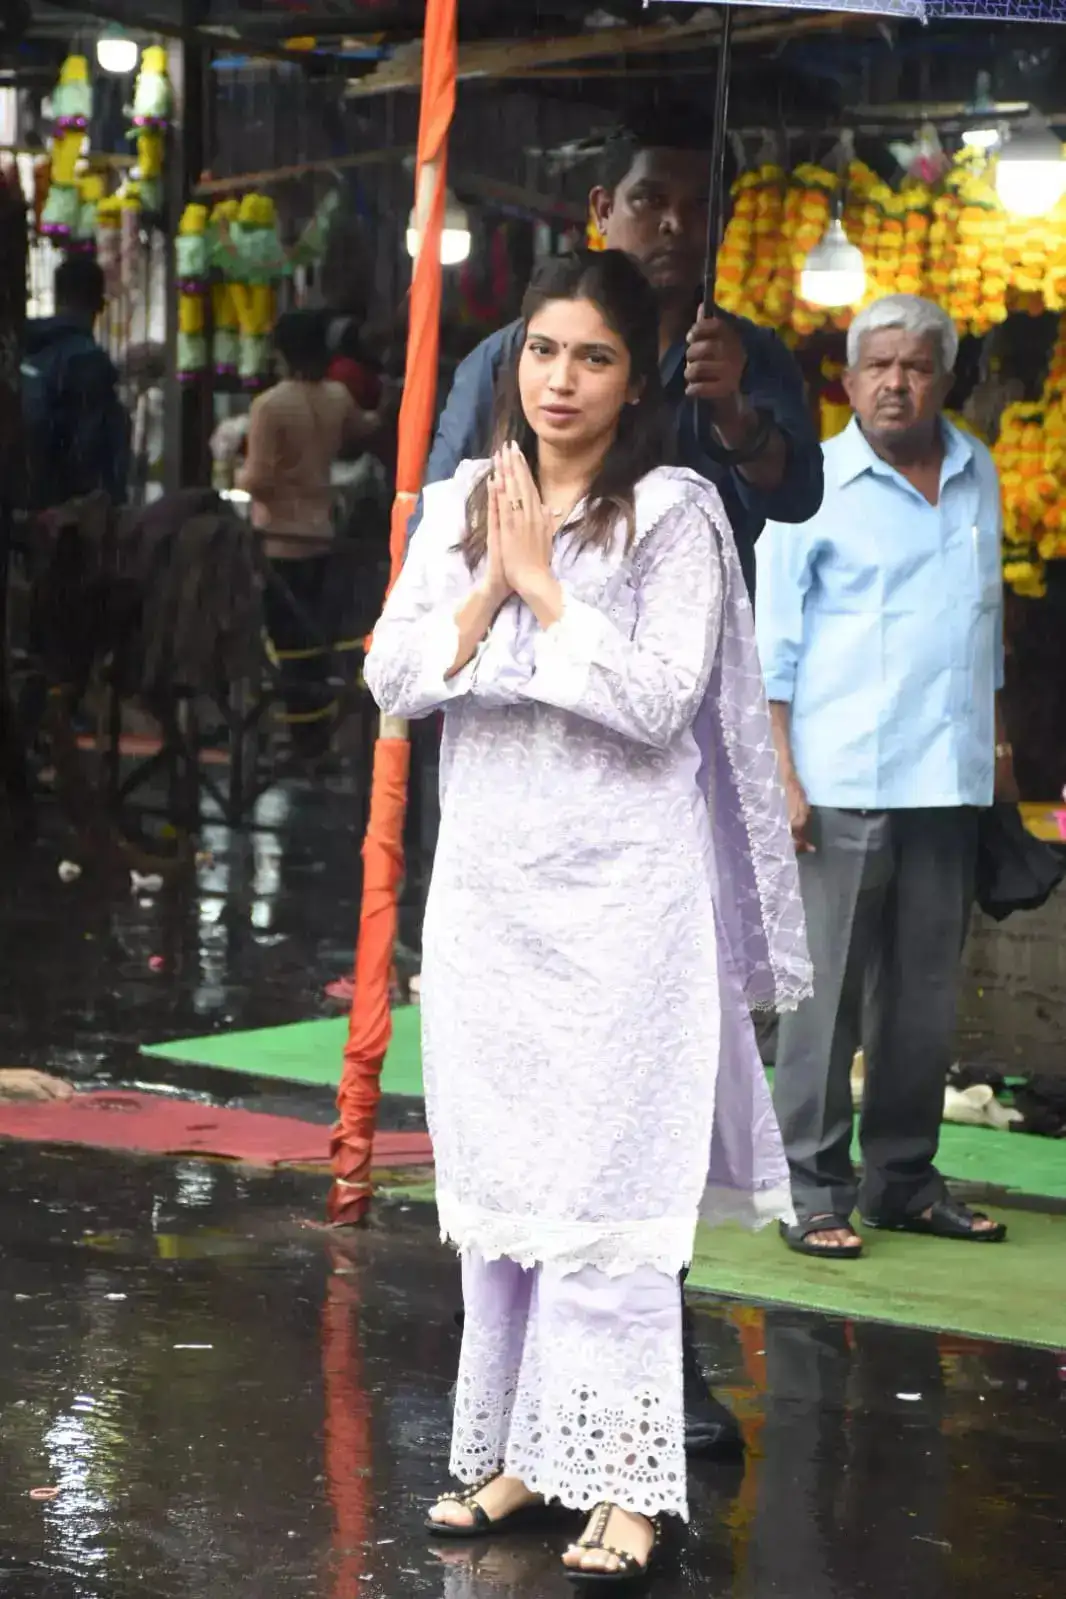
<point x="572" y="1384"/>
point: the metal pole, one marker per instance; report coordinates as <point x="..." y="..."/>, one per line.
<point x="716" y="208"/>
<point x="188" y="406"/>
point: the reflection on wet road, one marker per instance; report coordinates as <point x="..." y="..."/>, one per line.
<point x="230" y="1400"/>
<point x="223" y="1399"/>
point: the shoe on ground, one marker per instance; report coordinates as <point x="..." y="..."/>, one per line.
<point x="710" y="1429"/>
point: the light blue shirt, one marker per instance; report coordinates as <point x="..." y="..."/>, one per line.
<point x="880" y="621"/>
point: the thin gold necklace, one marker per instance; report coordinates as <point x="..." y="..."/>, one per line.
<point x="563" y="514"/>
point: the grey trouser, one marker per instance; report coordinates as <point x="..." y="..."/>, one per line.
<point x="888" y="896"/>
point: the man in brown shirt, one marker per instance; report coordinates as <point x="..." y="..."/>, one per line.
<point x="296" y="431"/>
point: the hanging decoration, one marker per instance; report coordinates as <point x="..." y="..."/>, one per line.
<point x="1031" y="456"/>
<point x="129" y="195"/>
<point x="191" y="271"/>
<point x="109" y="242"/>
<point x="950" y="241"/>
<point x="260" y="265"/>
<point x="72" y="109"/>
<point x="153" y="102"/>
<point x="91" y="189"/>
<point x="225" y="319"/>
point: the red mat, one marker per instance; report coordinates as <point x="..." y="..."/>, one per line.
<point x="151" y="1124"/>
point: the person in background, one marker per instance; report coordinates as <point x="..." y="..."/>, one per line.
<point x="735" y="394"/>
<point x="738" y="414"/>
<point x="296" y="431"/>
<point x="349" y="363"/>
<point x="880" y="628"/>
<point x="77" y="431"/>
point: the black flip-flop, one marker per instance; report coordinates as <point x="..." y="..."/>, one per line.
<point x="948" y="1218"/>
<point x="798" y="1234"/>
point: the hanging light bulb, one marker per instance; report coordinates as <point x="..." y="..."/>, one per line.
<point x="116" y="51"/>
<point x="1031" y="172"/>
<point x="834" y="273"/>
<point x="981" y="138"/>
<point x="455" y="237"/>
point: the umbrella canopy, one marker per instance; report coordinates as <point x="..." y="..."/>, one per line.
<point x="918" y="10"/>
<point x="922" y="10"/>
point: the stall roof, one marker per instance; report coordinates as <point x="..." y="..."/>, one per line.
<point x="807" y="65"/>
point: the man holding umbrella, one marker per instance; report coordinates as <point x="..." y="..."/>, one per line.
<point x="735" y="391"/>
<point x="739" y="408"/>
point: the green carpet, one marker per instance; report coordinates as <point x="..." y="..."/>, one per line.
<point x="310" y="1052"/>
<point x="303" y="1052"/>
<point x="1028" y="1164"/>
<point x="1006" y="1291"/>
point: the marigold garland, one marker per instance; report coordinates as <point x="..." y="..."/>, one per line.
<point x="953" y="244"/>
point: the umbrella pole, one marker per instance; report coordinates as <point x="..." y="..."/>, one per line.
<point x="717" y="203"/>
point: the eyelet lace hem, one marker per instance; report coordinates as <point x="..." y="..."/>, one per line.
<point x="664" y="1243"/>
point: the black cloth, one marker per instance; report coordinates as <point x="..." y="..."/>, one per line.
<point x="1015" y="871"/>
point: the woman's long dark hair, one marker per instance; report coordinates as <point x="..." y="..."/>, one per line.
<point x="619" y="290"/>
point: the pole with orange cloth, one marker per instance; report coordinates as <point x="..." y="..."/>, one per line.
<point x="370" y="1024"/>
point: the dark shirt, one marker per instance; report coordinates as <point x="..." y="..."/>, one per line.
<point x="71" y="385"/>
<point x="772" y="381"/>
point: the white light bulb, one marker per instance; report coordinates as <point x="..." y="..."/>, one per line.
<point x="980" y="138"/>
<point x="455" y="237"/>
<point x="454" y="246"/>
<point x="117" y="52"/>
<point x="1031" y="188"/>
<point x="1030" y="172"/>
<point x="834" y="273"/>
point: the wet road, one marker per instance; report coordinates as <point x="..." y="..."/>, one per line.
<point x="231" y="1401"/>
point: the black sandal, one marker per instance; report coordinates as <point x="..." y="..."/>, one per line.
<point x="629" y="1568"/>
<point x="482" y="1525"/>
<point x="948" y="1218"/>
<point x="796" y="1237"/>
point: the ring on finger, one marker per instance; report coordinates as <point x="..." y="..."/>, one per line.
<point x="516" y="505"/>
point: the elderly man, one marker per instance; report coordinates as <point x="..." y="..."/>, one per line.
<point x="880" y="630"/>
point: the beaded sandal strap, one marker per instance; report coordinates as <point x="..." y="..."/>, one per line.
<point x="466" y="1499"/>
<point x="593" y="1539"/>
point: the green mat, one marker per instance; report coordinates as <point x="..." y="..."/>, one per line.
<point x="1005" y="1291"/>
<point x="1008" y="1292"/>
<point x="303" y="1052"/>
<point x="310" y="1052"/>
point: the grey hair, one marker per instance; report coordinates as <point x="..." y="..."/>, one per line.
<point x="914" y="315"/>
